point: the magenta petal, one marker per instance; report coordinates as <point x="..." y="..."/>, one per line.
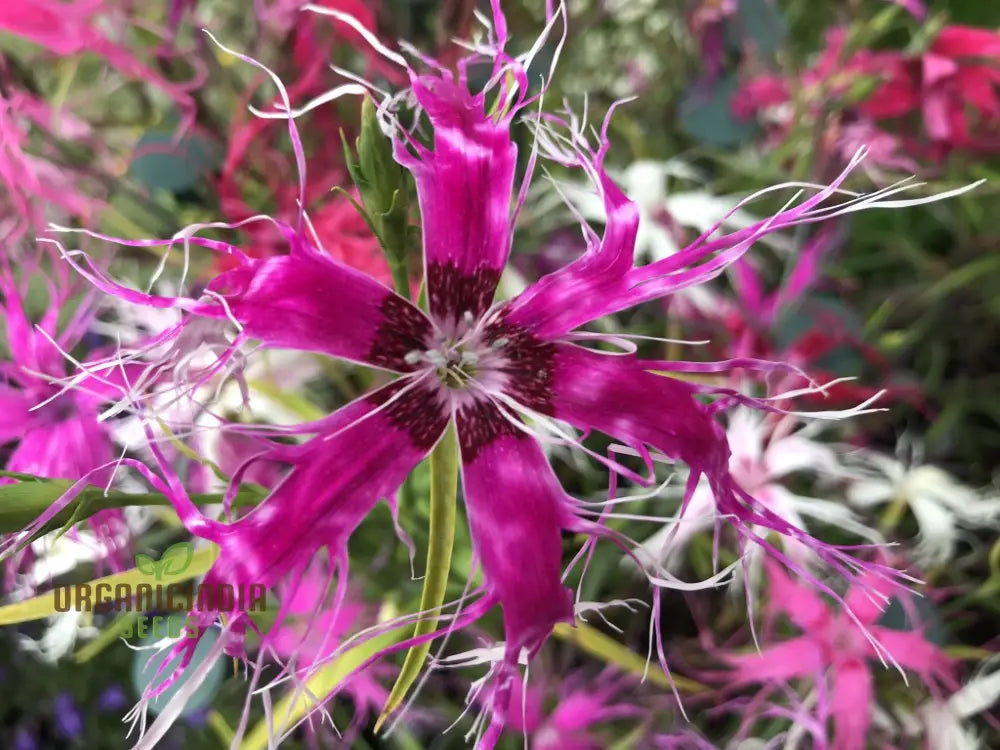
<point x="14" y="414"/>
<point x="465" y="185"/>
<point x="526" y="708"/>
<point x="614" y="395"/>
<point x="869" y="597"/>
<point x="309" y="301"/>
<point x="802" y="605"/>
<point x="585" y="289"/>
<point x="365" y="452"/>
<point x="805" y="272"/>
<point x="912" y="650"/>
<point x="336" y="479"/>
<point x="64" y="449"/>
<point x="62" y="28"/>
<point x="852" y="705"/>
<point x="799" y="657"/>
<point x="517" y="510"/>
<point x="604" y="280"/>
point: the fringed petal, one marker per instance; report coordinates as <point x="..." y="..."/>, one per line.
<point x="913" y="651"/>
<point x="465" y="184"/>
<point x="305" y="300"/>
<point x="616" y="395"/>
<point x="310" y="302"/>
<point x="363" y="454"/>
<point x="604" y="280"/>
<point x="803" y="606"/>
<point x="14" y="414"/>
<point x="517" y="510"/>
<point x="799" y="657"/>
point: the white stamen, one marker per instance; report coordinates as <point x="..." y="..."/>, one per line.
<point x="412" y="357"/>
<point x="436" y="358"/>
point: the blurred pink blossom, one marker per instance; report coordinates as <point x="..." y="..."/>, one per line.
<point x="836" y="647"/>
<point x="916" y="7"/>
<point x="919" y="106"/>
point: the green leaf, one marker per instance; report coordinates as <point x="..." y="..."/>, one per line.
<point x="377" y="165"/>
<point x="444" y="497"/>
<point x="23" y="502"/>
<point x="384" y="186"/>
<point x="607" y="649"/>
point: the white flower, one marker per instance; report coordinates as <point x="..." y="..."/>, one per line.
<point x="763" y="453"/>
<point x="940" y="503"/>
<point x="61" y="635"/>
<point x="942" y="723"/>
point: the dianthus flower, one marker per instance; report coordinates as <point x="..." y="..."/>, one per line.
<point x="81" y="26"/>
<point x="582" y="704"/>
<point x="940" y="503"/>
<point x="506" y="376"/>
<point x="37" y="189"/>
<point x="56" y="431"/>
<point x="930" y="104"/>
<point x="835" y="653"/>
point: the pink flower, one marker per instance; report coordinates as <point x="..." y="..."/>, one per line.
<point x="916" y="8"/>
<point x="507" y="375"/>
<point x="311" y="631"/>
<point x="582" y="704"/>
<point x="765" y="451"/>
<point x="833" y="648"/>
<point x="57" y="431"/>
<point x="951" y="88"/>
<point x="71" y="28"/>
<point x="35" y="188"/>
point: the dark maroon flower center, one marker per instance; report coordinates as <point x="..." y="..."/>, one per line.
<point x="482" y="370"/>
<point x="452" y="294"/>
<point x="403" y="329"/>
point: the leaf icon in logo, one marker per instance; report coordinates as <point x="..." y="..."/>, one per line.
<point x="176" y="559"/>
<point x="146" y="564"/>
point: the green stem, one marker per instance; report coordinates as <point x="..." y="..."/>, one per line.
<point x="893" y="515"/>
<point x="444" y="498"/>
<point x="400" y="278"/>
<point x="22" y="503"/>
